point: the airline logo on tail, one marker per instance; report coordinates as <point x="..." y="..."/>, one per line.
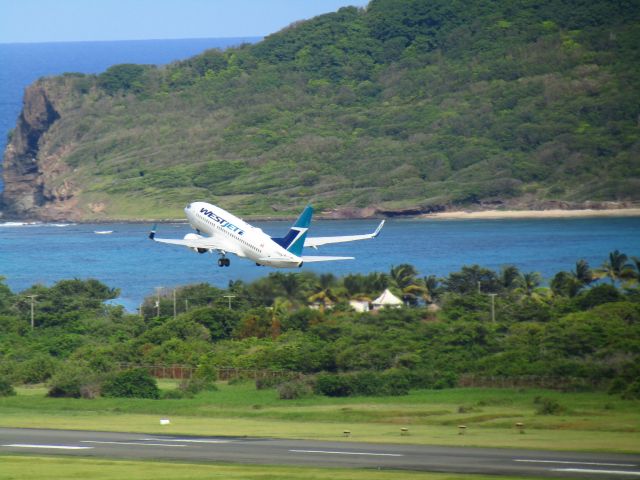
<point x="294" y="240"/>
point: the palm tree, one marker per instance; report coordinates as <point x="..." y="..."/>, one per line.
<point x="616" y="268"/>
<point x="404" y="278"/>
<point x="529" y="281"/>
<point x="583" y="273"/>
<point x="634" y="276"/>
<point x="280" y="308"/>
<point x="510" y="277"/>
<point x="432" y="286"/>
<point x="324" y="290"/>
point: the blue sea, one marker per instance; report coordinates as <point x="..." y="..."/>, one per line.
<point x="23" y="63"/>
<point x="126" y="259"/>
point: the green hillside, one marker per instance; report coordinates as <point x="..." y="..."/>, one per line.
<point x="407" y="105"/>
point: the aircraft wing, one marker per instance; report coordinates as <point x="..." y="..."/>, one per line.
<point x="206" y="243"/>
<point x="315" y="242"/>
<point x="312" y="259"/>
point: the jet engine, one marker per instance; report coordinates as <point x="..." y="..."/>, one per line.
<point x="195" y="236"/>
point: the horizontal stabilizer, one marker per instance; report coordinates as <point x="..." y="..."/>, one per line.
<point x="311" y="259"/>
<point x="315" y="242"/>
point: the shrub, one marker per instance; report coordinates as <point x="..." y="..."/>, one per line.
<point x="206" y="371"/>
<point x="632" y="392"/>
<point x="37" y="369"/>
<point x="135" y="383"/>
<point x="6" y="389"/>
<point x="333" y="385"/>
<point x="173" y="394"/>
<point x="395" y="382"/>
<point x="73" y="381"/>
<point x="294" y="389"/>
<point x="548" y="406"/>
<point x="195" y="385"/>
<point x="367" y="383"/>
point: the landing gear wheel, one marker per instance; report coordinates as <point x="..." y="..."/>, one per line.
<point x="224" y="262"/>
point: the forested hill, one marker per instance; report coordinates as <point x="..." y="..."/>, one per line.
<point x="406" y="106"/>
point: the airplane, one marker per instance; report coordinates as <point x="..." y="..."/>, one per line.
<point x="226" y="233"/>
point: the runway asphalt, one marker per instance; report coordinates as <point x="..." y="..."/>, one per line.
<point x="319" y="454"/>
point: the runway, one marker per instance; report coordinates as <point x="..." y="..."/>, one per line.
<point x="319" y="454"/>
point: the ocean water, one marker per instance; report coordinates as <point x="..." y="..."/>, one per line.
<point x="23" y="63"/>
<point x="126" y="259"/>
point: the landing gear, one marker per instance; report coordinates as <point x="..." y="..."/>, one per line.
<point x="224" y="262"/>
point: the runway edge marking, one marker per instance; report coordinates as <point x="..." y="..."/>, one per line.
<point x="58" y="447"/>
<point x="349" y="453"/>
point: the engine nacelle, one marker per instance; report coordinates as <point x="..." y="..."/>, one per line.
<point x="195" y="236"/>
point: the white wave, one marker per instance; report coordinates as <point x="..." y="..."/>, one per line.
<point x="18" y="224"/>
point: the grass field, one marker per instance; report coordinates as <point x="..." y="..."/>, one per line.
<point x="18" y="468"/>
<point x="586" y="421"/>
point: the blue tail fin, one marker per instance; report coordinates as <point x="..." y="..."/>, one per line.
<point x="294" y="240"/>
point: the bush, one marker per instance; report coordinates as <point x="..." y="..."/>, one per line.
<point x="548" y="406"/>
<point x="195" y="385"/>
<point x="395" y="383"/>
<point x="294" y="389"/>
<point x="173" y="394"/>
<point x="206" y="371"/>
<point x="37" y="369"/>
<point x="6" y="389"/>
<point x="632" y="392"/>
<point x="333" y="385"/>
<point x="272" y="381"/>
<point x="131" y="383"/>
<point x="73" y="381"/>
<point x="367" y="383"/>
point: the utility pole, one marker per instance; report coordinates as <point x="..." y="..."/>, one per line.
<point x="33" y="298"/>
<point x="174" y="303"/>
<point x="229" y="297"/>
<point x="493" y="307"/>
<point x="186" y="304"/>
<point x="158" y="301"/>
<point x="479" y="287"/>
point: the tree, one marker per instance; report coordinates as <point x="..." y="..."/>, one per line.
<point x="615" y="268"/>
<point x="472" y="279"/>
<point x="123" y="77"/>
<point x="404" y="278"/>
<point x="634" y="274"/>
<point x="510" y="277"/>
<point x="325" y="290"/>
<point x="565" y="284"/>
<point x="6" y="296"/>
<point x="583" y="273"/>
<point x="132" y="384"/>
<point x="529" y="281"/>
<point x="432" y="288"/>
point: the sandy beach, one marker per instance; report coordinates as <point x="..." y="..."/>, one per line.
<point x="556" y="213"/>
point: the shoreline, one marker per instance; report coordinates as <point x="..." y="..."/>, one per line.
<point x="450" y="215"/>
<point x="532" y="214"/>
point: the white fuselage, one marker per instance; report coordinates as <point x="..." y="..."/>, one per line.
<point x="238" y="236"/>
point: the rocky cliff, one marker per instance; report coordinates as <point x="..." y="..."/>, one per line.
<point x="31" y="171"/>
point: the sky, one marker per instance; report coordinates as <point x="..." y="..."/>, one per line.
<point x="105" y="20"/>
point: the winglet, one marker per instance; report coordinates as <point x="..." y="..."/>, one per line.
<point x="152" y="233"/>
<point x="377" y="232"/>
